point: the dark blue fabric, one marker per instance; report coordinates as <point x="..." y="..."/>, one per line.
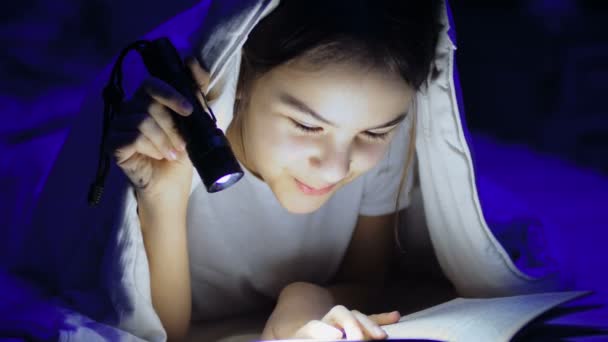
<point x="51" y="52"/>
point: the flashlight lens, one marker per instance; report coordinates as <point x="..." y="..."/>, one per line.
<point x="225" y="181"/>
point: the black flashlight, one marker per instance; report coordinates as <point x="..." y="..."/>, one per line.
<point x="206" y="144"/>
<point x="207" y="147"/>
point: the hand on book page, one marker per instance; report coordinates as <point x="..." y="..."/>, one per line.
<point x="492" y="319"/>
<point x="391" y="339"/>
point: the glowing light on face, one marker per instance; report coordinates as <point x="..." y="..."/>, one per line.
<point x="310" y="132"/>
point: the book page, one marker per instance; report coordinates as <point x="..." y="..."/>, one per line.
<point x="477" y="319"/>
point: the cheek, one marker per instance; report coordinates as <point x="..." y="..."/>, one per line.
<point x="368" y="156"/>
<point x="278" y="145"/>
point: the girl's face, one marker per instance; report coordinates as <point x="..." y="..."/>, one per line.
<point x="307" y="132"/>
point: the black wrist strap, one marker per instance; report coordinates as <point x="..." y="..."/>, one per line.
<point x="113" y="96"/>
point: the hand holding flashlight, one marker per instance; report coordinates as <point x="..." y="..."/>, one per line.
<point x="175" y="122"/>
<point x="147" y="146"/>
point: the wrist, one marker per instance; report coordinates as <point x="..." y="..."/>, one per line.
<point x="298" y="303"/>
<point x="303" y="291"/>
<point x="154" y="212"/>
<point x="159" y="201"/>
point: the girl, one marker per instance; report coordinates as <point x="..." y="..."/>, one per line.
<point x="319" y="100"/>
<point x="320" y="125"/>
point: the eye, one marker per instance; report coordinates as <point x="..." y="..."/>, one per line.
<point x="304" y="128"/>
<point x="377" y="137"/>
<point x="312" y="130"/>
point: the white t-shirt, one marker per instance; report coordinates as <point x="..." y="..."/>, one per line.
<point x="245" y="247"/>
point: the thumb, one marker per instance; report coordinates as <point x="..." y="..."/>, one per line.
<point x="201" y="77"/>
<point x="319" y="330"/>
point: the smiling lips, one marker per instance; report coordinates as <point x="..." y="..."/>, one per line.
<point x="313" y="191"/>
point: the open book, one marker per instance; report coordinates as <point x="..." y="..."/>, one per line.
<point x="497" y="319"/>
<point x="477" y="319"/>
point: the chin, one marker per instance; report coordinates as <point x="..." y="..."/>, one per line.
<point x="301" y="205"/>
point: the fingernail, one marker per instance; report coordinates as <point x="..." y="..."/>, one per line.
<point x="187" y="106"/>
<point x="172" y="155"/>
<point x="379" y="331"/>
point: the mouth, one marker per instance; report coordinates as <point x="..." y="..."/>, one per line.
<point x="308" y="190"/>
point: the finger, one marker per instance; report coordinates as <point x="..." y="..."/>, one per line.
<point x="202" y="78"/>
<point x="168" y="96"/>
<point x="160" y="114"/>
<point x="157" y="136"/>
<point x="120" y="140"/>
<point x="352" y="329"/>
<point x="141" y="145"/>
<point x="138" y="170"/>
<point x="138" y="103"/>
<point x="163" y="118"/>
<point x="318" y="330"/>
<point x="200" y="75"/>
<point x="342" y="317"/>
<point x="386" y="318"/>
<point x="145" y="146"/>
<point x="371" y="328"/>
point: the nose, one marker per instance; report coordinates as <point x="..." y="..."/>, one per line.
<point x="333" y="165"/>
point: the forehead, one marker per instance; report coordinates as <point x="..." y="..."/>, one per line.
<point x="344" y="93"/>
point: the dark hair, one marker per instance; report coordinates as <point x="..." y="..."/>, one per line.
<point x="396" y="35"/>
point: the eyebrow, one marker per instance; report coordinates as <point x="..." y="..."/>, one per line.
<point x="302" y="107"/>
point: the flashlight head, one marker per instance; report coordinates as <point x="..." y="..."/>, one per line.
<point x="217" y="167"/>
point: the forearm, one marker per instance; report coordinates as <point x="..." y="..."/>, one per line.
<point x="302" y="302"/>
<point x="297" y="304"/>
<point x="165" y="239"/>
